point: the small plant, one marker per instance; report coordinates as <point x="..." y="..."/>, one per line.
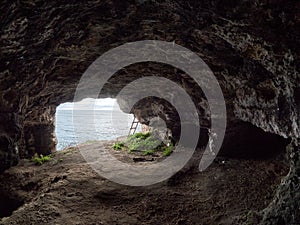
<point x="168" y="150"/>
<point x="118" y="145"/>
<point x="142" y="143"/>
<point x="141" y="135"/>
<point x="39" y="160"/>
<point x="145" y="144"/>
<point x="149" y="152"/>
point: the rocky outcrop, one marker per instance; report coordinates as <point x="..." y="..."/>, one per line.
<point x="251" y="46"/>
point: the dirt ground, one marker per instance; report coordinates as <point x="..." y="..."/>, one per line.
<point x="66" y="191"/>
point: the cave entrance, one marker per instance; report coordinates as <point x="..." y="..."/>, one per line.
<point x="109" y="121"/>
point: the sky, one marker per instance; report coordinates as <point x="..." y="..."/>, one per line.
<point x="87" y="103"/>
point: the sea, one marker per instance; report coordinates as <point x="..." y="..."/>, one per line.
<point x="103" y="126"/>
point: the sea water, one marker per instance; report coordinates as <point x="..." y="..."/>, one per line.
<point x="103" y="126"/>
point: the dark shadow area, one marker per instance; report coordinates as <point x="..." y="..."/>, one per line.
<point x="8" y="205"/>
<point x="244" y="140"/>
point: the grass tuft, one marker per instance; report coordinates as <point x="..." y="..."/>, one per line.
<point x="39" y="160"/>
<point x="145" y="144"/>
<point x="118" y="145"/>
<point x="168" y="150"/>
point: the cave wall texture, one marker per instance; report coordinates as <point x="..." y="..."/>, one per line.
<point x="251" y="46"/>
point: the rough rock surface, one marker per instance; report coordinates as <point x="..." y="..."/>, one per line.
<point x="66" y="190"/>
<point x="251" y="46"/>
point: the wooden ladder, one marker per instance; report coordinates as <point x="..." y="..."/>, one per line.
<point x="134" y="125"/>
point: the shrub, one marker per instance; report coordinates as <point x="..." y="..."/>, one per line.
<point x="142" y="143"/>
<point x="118" y="145"/>
<point x="145" y="143"/>
<point x="149" y="152"/>
<point x="141" y="135"/>
<point x="168" y="150"/>
<point x="39" y="160"/>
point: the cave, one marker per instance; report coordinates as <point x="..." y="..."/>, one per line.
<point x="252" y="48"/>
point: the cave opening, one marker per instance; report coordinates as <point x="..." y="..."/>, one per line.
<point x="108" y="121"/>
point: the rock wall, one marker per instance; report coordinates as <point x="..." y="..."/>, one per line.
<point x="251" y="46"/>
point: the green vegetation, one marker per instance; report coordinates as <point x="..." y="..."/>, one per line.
<point x="39" y="160"/>
<point x="118" y="145"/>
<point x="168" y="150"/>
<point x="68" y="151"/>
<point x="145" y="144"/>
<point x="141" y="135"/>
<point x="142" y="143"/>
<point x="149" y="152"/>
